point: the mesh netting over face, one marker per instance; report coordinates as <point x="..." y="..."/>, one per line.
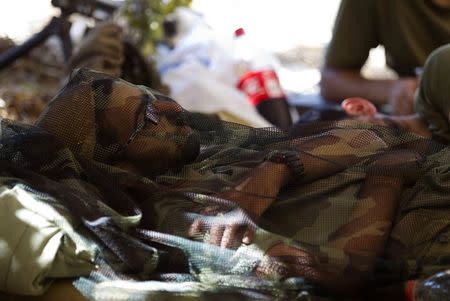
<point x="184" y="204"/>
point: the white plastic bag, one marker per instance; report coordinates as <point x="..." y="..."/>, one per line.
<point x="196" y="89"/>
<point x="198" y="72"/>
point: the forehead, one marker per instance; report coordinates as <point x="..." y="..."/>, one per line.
<point x="122" y="92"/>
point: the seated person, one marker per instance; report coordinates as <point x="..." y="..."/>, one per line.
<point x="140" y="180"/>
<point x="408" y="30"/>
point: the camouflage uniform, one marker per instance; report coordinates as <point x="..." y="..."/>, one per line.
<point x="134" y="170"/>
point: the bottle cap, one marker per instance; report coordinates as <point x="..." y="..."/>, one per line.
<point x="239" y="32"/>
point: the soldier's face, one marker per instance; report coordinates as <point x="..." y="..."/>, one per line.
<point x="160" y="142"/>
<point x="169" y="143"/>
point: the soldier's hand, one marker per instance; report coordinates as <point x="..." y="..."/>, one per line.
<point x="226" y="230"/>
<point x="402" y="96"/>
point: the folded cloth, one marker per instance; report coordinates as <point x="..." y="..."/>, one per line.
<point x="38" y="243"/>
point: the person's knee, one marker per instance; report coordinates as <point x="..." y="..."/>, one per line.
<point x="432" y="98"/>
<point x="439" y="55"/>
<point x="438" y="63"/>
<point x="436" y="73"/>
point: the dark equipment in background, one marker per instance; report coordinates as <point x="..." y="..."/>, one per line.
<point x="60" y="27"/>
<point x="135" y="69"/>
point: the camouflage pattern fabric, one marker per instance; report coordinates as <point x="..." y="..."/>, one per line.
<point x="183" y="205"/>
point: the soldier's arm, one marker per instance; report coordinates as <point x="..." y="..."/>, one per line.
<point x="254" y="195"/>
<point x="260" y="188"/>
<point x="363" y="238"/>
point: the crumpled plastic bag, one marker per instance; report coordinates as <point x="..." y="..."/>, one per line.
<point x="199" y="74"/>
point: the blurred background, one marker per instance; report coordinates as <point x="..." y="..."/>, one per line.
<point x="278" y="25"/>
<point x="295" y="32"/>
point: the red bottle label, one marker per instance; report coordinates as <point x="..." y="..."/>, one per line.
<point x="410" y="288"/>
<point x="261" y="86"/>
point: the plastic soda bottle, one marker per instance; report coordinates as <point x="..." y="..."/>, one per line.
<point x="258" y="79"/>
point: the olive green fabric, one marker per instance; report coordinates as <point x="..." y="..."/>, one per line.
<point x="38" y="242"/>
<point x="432" y="100"/>
<point x="408" y="29"/>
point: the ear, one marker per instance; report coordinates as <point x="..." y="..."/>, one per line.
<point x="357" y="106"/>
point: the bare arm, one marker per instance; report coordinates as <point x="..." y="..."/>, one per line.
<point x="355" y="33"/>
<point x="337" y="85"/>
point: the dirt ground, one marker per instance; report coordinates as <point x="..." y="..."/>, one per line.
<point x="29" y="83"/>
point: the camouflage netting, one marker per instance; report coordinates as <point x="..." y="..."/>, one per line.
<point x="184" y="205"/>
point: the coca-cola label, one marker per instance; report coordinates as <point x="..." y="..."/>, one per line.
<point x="261" y="86"/>
<point x="410" y="289"/>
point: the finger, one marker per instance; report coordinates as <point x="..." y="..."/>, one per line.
<point x="215" y="235"/>
<point x="106" y="54"/>
<point x="196" y="228"/>
<point x="106" y="50"/>
<point x="109" y="28"/>
<point x="87" y="52"/>
<point x="111" y="63"/>
<point x="96" y="62"/>
<point x="228" y="236"/>
<point x="249" y="235"/>
<point x="112" y="69"/>
<point x="114" y="44"/>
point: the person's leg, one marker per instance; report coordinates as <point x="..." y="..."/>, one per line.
<point x="345" y="263"/>
<point x="433" y="97"/>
